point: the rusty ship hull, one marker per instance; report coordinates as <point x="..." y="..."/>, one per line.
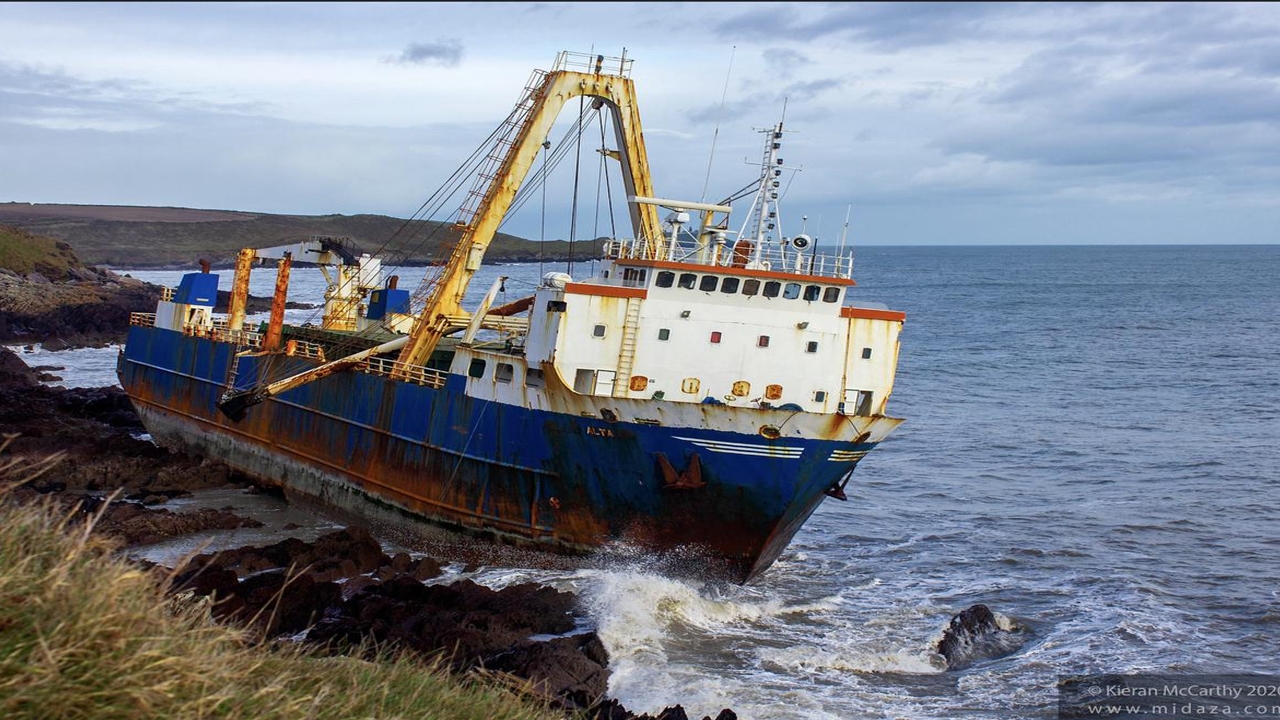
<point x="695" y="398"/>
<point x="558" y="481"/>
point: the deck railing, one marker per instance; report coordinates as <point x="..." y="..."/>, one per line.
<point x="412" y="373"/>
<point x="773" y="257"/>
<point x="219" y="332"/>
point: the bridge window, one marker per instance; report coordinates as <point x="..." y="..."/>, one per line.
<point x="664" y="334"/>
<point x="866" y="353"/>
<point x="708" y="283"/>
<point x="598" y="331"/>
<point x="687" y="280"/>
<point x="791" y="291"/>
<point x="831" y="294"/>
<point x="533" y="378"/>
<point x="476" y="369"/>
<point x="503" y="373"/>
<point x="820" y="396"/>
<point x="730" y="285"/>
<point x="666" y="278"/>
<point x="555" y="306"/>
<point x="811" y="347"/>
<point x="751" y="287"/>
<point x="811" y="292"/>
<point x="633" y="276"/>
<point x="772" y="288"/>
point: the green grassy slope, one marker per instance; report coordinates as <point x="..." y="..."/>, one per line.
<point x="24" y="252"/>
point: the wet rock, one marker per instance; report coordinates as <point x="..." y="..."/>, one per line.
<point x="975" y="634"/>
<point x="278" y="602"/>
<point x="613" y="710"/>
<point x="13" y="371"/>
<point x="136" y="524"/>
<point x="338" y="555"/>
<point x="572" y="670"/>
<point x="471" y="626"/>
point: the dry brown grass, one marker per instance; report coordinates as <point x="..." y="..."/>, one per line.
<point x="85" y="633"/>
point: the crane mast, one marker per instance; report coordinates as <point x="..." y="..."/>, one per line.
<point x="539" y="109"/>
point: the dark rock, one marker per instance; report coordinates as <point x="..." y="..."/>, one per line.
<point x="280" y="603"/>
<point x="975" y="634"/>
<point x="13" y="371"/>
<point x="137" y="524"/>
<point x="572" y="670"/>
<point x="342" y="554"/>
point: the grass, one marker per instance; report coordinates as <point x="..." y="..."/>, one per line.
<point x="84" y="633"/>
<point x="23" y="252"/>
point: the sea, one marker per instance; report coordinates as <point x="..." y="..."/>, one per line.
<point x="1090" y="450"/>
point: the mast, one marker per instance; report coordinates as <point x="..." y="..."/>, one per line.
<point x="763" y="215"/>
<point x="531" y="122"/>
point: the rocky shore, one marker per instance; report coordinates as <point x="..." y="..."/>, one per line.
<point x="341" y="592"/>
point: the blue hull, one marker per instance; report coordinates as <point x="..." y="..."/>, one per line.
<point x="559" y="481"/>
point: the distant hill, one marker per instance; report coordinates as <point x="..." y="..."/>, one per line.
<point x="141" y="237"/>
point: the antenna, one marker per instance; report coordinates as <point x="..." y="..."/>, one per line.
<point x="719" y="116"/>
<point x="845" y="234"/>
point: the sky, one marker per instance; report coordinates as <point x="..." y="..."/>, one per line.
<point x="918" y="123"/>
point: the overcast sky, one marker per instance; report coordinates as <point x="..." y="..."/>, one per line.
<point x="947" y="123"/>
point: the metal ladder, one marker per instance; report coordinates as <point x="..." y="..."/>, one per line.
<point x="627" y="351"/>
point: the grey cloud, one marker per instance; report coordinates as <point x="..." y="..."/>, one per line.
<point x="785" y="62"/>
<point x="761" y="106"/>
<point x="56" y="100"/>
<point x="1081" y="85"/>
<point x="444" y="53"/>
<point x="882" y="25"/>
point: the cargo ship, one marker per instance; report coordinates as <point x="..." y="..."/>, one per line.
<point x="697" y="397"/>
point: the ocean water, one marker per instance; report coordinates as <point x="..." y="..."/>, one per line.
<point x="1090" y="449"/>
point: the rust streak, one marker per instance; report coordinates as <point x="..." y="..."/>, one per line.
<point x="605" y="290"/>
